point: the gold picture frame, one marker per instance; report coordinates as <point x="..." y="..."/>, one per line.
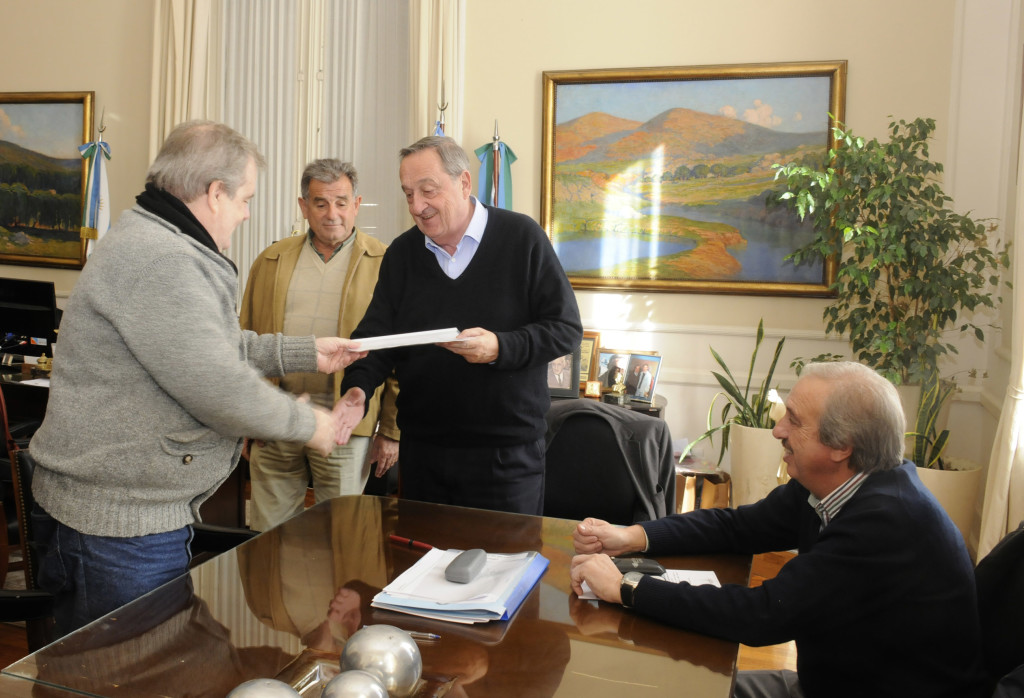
<point x="588" y="356"/>
<point x="43" y="177"/>
<point x="656" y="179"/>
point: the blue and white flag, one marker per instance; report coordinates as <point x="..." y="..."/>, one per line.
<point x="486" y="184"/>
<point x="96" y="208"/>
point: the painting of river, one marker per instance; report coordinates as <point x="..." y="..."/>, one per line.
<point x="663" y="183"/>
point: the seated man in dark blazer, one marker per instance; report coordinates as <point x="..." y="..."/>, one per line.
<point x="881" y="597"/>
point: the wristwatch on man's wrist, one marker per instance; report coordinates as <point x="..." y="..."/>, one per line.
<point x="627" y="587"/>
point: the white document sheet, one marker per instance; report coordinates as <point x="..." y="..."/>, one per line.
<point x="694" y="577"/>
<point x="408" y="339"/>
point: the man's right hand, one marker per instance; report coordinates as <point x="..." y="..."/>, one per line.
<point x="597" y="536"/>
<point x="326" y="435"/>
<point x="348" y="412"/>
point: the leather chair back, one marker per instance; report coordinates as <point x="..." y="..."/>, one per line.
<point x="586" y="473"/>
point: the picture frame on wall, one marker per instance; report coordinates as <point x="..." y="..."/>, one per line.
<point x="563" y="375"/>
<point x="588" y="356"/>
<point x="43" y="177"/>
<point x="657" y="179"/>
<point x="642" y="377"/>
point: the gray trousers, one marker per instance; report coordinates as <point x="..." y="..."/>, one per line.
<point x="767" y="684"/>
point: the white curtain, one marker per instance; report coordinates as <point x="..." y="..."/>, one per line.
<point x="186" y="67"/>
<point x="306" y="79"/>
<point x="1003" y="508"/>
<point x="438" y="56"/>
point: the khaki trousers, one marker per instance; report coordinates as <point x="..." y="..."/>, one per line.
<point x="280" y="472"/>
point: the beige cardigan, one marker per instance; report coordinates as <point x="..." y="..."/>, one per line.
<point x="264" y="300"/>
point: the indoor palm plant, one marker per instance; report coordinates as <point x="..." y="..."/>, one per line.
<point x="909" y="271"/>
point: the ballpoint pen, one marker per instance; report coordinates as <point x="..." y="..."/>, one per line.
<point x="418" y="635"/>
<point x="427" y="637"/>
<point x="408" y="542"/>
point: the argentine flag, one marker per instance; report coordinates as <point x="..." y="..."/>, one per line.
<point x="96" y="211"/>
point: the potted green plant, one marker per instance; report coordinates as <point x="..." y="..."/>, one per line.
<point x="744" y="425"/>
<point x="954" y="484"/>
<point x="909" y="270"/>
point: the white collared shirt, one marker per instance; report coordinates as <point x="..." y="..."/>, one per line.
<point x="454" y="264"/>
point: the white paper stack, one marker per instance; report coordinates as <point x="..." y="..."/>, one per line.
<point x="407" y="339"/>
<point x="494" y="594"/>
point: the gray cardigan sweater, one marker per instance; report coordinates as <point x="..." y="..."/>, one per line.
<point x="154" y="385"/>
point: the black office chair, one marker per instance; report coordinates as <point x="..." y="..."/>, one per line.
<point x="999" y="577"/>
<point x="607" y="462"/>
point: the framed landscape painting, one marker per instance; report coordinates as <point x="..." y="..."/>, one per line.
<point x="657" y="179"/>
<point x="42" y="177"/>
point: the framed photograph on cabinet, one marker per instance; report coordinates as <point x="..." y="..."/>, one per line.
<point x="588" y="357"/>
<point x="42" y="177"/>
<point x="642" y="377"/>
<point x="656" y="179"/>
<point x="563" y="375"/>
<point x="611" y="367"/>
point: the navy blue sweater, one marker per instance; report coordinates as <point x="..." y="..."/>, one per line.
<point x="880" y="603"/>
<point x="515" y="287"/>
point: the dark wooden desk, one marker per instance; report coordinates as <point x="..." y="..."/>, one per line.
<point x="260" y="611"/>
<point x="24" y="402"/>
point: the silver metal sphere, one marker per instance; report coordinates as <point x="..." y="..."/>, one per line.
<point x="388" y="652"/>
<point x="354" y="683"/>
<point x="263" y="688"/>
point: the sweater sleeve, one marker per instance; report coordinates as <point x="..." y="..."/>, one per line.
<point x="555" y="328"/>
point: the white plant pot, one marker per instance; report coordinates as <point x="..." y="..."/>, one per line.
<point x="755" y="456"/>
<point x="957" y="492"/>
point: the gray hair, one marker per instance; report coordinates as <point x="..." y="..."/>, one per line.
<point x="863" y="411"/>
<point x="328" y="171"/>
<point x="198" y="153"/>
<point x="453" y="158"/>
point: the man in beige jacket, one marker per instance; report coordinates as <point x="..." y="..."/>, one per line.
<point x="305" y="284"/>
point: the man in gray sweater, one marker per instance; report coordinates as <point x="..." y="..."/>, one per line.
<point x="155" y="384"/>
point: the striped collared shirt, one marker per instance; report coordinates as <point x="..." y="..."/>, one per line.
<point x="827" y="508"/>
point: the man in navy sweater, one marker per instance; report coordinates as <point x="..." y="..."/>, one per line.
<point x="471" y="411"/>
<point x="881" y="597"/>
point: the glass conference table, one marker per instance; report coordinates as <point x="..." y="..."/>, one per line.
<point x="283" y="604"/>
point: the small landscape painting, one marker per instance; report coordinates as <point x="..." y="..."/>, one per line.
<point x="42" y="177"/>
<point x="658" y="179"/>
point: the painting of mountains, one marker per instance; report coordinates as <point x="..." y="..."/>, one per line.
<point x="41" y="179"/>
<point x="663" y="184"/>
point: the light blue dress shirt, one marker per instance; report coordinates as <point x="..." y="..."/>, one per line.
<point x="453" y="265"/>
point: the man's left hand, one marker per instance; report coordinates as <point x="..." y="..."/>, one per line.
<point x="335" y="353"/>
<point x="383" y="452"/>
<point x="476" y="345"/>
<point x="600" y="574"/>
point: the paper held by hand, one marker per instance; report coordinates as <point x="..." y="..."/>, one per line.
<point x="407" y="339"/>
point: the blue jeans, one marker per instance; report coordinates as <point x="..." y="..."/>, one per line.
<point x="90" y="576"/>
